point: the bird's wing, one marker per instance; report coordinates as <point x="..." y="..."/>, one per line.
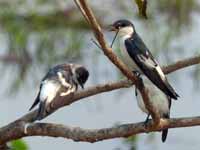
<point x="145" y="61"/>
<point x="165" y="131"/>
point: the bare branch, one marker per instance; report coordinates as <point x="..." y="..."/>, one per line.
<point x="94" y="135"/>
<point x="82" y="11"/>
<point x="181" y="64"/>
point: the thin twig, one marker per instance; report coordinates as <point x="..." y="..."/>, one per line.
<point x="82" y="11"/>
<point x="96" y="43"/>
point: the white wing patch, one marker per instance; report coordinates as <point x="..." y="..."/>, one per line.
<point x="63" y="81"/>
<point x="147" y="61"/>
<point x="69" y="87"/>
<point x="159" y="70"/>
<point x="68" y="91"/>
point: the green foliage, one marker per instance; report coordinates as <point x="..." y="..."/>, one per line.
<point x="142" y="7"/>
<point x="178" y="11"/>
<point x="132" y="142"/>
<point x="19" y="145"/>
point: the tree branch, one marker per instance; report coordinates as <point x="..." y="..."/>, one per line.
<point x="94" y="135"/>
<point x="181" y="64"/>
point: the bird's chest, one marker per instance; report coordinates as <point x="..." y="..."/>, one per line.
<point x="157" y="98"/>
<point x="126" y="57"/>
<point x="49" y="90"/>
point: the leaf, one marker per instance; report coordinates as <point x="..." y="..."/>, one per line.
<point x="132" y="141"/>
<point x="142" y="7"/>
<point x="19" y="145"/>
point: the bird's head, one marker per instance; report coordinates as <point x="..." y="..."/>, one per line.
<point x="80" y="74"/>
<point x="123" y="27"/>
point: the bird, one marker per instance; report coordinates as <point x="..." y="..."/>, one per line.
<point x="63" y="76"/>
<point x="138" y="58"/>
<point x="160" y="101"/>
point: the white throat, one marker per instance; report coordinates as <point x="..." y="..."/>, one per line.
<point x="126" y="32"/>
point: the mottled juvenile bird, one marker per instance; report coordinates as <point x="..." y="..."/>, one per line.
<point x="65" y="76"/>
<point x="160" y="101"/>
<point x="139" y="59"/>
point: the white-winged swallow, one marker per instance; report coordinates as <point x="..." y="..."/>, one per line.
<point x="65" y="76"/>
<point x="138" y="58"/>
<point x="160" y="101"/>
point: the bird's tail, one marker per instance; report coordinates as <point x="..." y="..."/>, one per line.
<point x="35" y="102"/>
<point x="165" y="131"/>
<point x="41" y="111"/>
<point x="164" y="135"/>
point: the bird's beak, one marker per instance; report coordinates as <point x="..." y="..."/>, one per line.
<point x="111" y="28"/>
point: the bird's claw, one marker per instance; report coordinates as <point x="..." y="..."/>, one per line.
<point x="136" y="73"/>
<point x="146" y="121"/>
<point x="26" y="125"/>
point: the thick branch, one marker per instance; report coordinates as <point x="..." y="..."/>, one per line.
<point x="95" y="135"/>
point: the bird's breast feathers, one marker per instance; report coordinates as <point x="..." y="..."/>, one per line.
<point x="49" y="90"/>
<point x="156" y="96"/>
<point x="126" y="57"/>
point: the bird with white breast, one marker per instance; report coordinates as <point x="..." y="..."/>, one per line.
<point x="63" y="76"/>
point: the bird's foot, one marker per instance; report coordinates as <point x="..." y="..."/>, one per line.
<point x="136" y="73"/>
<point x="146" y="121"/>
<point x="26" y="125"/>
